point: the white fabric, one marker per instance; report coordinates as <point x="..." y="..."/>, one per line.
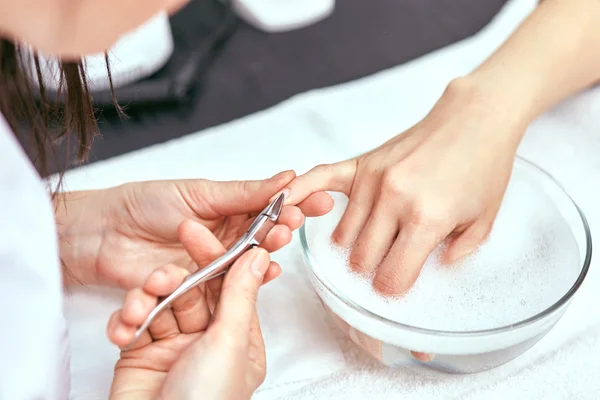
<point x="283" y="15"/>
<point x="332" y="124"/>
<point x="34" y="354"/>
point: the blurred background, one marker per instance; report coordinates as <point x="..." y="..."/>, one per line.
<point x="219" y="60"/>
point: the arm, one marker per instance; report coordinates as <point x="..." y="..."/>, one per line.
<point x="552" y="55"/>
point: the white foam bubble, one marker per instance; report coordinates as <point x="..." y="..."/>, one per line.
<point x="530" y="260"/>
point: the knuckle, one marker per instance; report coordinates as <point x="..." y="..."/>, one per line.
<point x="358" y="261"/>
<point x="341" y="237"/>
<point x="429" y="214"/>
<point x="391" y="184"/>
<point x="386" y="282"/>
<point x="261" y="376"/>
<point x="323" y="169"/>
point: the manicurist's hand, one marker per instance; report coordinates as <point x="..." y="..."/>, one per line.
<point x="117" y="236"/>
<point x="188" y="351"/>
<point x="442" y="179"/>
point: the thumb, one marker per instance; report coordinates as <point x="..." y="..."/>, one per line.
<point x="236" y="197"/>
<point x="237" y="302"/>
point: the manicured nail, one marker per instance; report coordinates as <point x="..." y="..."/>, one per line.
<point x="286" y="195"/>
<point x="260" y="263"/>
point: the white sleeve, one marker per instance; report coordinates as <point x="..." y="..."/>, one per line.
<point x="34" y="362"/>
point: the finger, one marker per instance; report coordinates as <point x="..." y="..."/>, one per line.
<point x="360" y="203"/>
<point x="121" y="334"/>
<point x="190" y="310"/>
<point x="369" y="344"/>
<point x="374" y="241"/>
<point x="200" y="243"/>
<point x="239" y="291"/>
<point x="466" y="242"/>
<point x="162" y="283"/>
<point x="326" y="177"/>
<point x="256" y="351"/>
<point x="400" y="268"/>
<point x="215" y="285"/>
<point x="203" y="247"/>
<point x="233" y="197"/>
<point x="292" y="217"/>
<point x="317" y="204"/>
<point x="136" y="307"/>
<point x="273" y="272"/>
<point x="278" y="236"/>
<point x="214" y="292"/>
<point x="423" y="357"/>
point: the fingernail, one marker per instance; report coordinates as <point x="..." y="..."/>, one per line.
<point x="286" y="195"/>
<point x="260" y="264"/>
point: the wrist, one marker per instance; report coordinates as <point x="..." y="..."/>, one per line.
<point x="489" y="104"/>
<point x="80" y="230"/>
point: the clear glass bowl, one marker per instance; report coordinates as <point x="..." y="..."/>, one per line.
<point x="456" y="352"/>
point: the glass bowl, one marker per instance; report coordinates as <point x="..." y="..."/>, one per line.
<point x="397" y="344"/>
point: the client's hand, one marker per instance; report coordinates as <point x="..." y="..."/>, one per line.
<point x="442" y="179"/>
<point x="117" y="236"/>
<point x="187" y="352"/>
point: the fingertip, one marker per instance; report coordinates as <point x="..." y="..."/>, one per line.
<point x="291" y="216"/>
<point x="119" y="333"/>
<point x="136" y="306"/>
<point x="112" y="324"/>
<point x="273" y="272"/>
<point x="123" y="334"/>
<point x="393" y="283"/>
<point x="317" y="204"/>
<point x="164" y="280"/>
<point x="278" y="237"/>
<point x="423" y="357"/>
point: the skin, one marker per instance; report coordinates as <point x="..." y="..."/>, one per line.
<point x="187" y="348"/>
<point x="71" y="28"/>
<point x="134" y="228"/>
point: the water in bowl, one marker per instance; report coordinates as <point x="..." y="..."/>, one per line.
<point x="529" y="261"/>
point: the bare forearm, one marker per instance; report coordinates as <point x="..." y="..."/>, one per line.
<point x="552" y="55"/>
<point x="80" y="226"/>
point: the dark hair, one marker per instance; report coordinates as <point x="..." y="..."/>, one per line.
<point x="38" y="124"/>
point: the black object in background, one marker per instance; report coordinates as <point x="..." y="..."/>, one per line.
<point x="255" y="70"/>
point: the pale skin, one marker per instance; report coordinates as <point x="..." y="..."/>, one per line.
<point x="401" y="203"/>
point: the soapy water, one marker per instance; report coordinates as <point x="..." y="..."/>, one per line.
<point x="530" y="260"/>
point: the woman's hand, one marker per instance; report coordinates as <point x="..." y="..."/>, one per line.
<point x="443" y="178"/>
<point x="189" y="352"/>
<point x="117" y="236"/>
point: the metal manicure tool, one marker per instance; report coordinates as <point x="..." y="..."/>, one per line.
<point x="254" y="236"/>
